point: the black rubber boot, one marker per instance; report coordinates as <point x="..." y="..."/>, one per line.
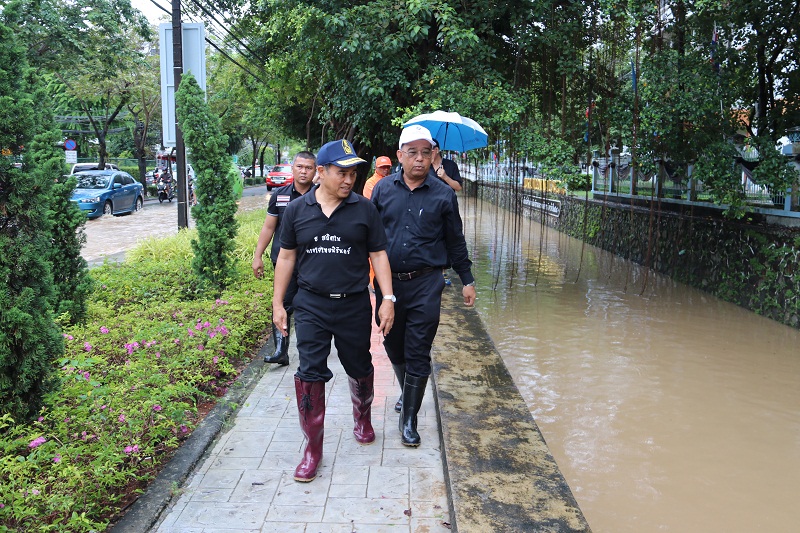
<point x="413" y="392"/>
<point x="281" y="355"/>
<point x="400" y="372"/>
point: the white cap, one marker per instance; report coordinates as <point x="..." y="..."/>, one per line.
<point x="415" y="132"/>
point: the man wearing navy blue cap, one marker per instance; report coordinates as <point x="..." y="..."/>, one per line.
<point x="424" y="231"/>
<point x="328" y="235"/>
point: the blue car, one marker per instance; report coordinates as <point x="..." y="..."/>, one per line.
<point x="107" y="192"/>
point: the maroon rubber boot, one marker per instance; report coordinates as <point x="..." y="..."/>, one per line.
<point x="362" y="392"/>
<point x="311" y="408"/>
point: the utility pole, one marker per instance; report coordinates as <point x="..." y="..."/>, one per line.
<point x="180" y="148"/>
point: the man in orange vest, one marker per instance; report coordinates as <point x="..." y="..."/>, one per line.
<point x="383" y="166"/>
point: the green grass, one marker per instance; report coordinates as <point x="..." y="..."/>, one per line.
<point x="152" y="351"/>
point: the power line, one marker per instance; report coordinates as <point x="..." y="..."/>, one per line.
<point x="229" y="58"/>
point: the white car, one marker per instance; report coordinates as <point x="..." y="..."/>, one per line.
<point x="78" y="167"/>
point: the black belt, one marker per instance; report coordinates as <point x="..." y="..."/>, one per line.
<point x="337" y="295"/>
<point x="405" y="276"/>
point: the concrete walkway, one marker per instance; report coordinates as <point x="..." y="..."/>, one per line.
<point x="246" y="484"/>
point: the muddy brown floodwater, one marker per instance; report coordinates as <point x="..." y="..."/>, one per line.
<point x="666" y="408"/>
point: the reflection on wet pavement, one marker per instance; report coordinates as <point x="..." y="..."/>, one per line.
<point x="107" y="238"/>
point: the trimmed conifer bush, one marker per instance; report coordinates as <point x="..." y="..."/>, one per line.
<point x="29" y="337"/>
<point x="216" y="205"/>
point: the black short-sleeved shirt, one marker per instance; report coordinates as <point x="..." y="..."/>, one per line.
<point x="277" y="205"/>
<point x="332" y="253"/>
<point x="451" y="169"/>
<point x="423" y="226"/>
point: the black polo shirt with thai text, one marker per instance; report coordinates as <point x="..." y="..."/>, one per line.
<point x="277" y="205"/>
<point x="332" y="253"/>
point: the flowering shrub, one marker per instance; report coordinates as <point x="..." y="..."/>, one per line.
<point x="132" y="380"/>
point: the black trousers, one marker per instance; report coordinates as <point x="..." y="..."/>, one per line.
<point x="317" y="319"/>
<point x="291" y="291"/>
<point x="416" y="320"/>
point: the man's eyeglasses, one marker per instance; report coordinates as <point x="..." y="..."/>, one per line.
<point x="426" y="154"/>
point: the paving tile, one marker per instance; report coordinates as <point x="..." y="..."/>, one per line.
<point x="233" y="463"/>
<point x="290" y="492"/>
<point x="386" y="511"/>
<point x="429" y="525"/>
<point x="239" y="516"/>
<point x="388" y="482"/>
<point x="246" y="444"/>
<point x="209" y="495"/>
<point x="283" y="527"/>
<point x="257" y="486"/>
<point x="294" y="513"/>
<point x="220" y="479"/>
<point x="412" y="457"/>
<point x="347" y="491"/>
<point x="350" y="475"/>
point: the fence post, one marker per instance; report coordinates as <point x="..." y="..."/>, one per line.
<point x="692" y="192"/>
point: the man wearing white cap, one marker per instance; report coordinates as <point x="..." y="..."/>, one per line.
<point x="329" y="234"/>
<point x="424" y="233"/>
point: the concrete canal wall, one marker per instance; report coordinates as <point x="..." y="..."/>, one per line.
<point x="752" y="262"/>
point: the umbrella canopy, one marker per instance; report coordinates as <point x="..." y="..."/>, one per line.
<point x="452" y="131"/>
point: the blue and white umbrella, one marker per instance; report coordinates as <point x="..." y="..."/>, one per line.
<point x="452" y="131"/>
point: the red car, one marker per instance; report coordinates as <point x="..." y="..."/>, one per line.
<point x="278" y="176"/>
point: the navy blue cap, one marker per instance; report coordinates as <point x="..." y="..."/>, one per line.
<point x="339" y="153"/>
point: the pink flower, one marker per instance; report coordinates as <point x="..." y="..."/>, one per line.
<point x="38" y="441"/>
<point x="40" y="419"/>
<point x="184" y="429"/>
<point x="2" y="506"/>
<point x="158" y="355"/>
<point x="86" y="375"/>
<point x="201" y="347"/>
<point x="87" y="346"/>
<point x="103" y="330"/>
<point x="212" y="334"/>
<point x="197" y="326"/>
<point x="215" y="359"/>
<point x="177" y="341"/>
<point x="66" y="420"/>
<point x="103" y="407"/>
<point x="35" y="492"/>
<point x="131" y="449"/>
<point x="157" y="408"/>
<point x="57" y="458"/>
<point x="223" y="331"/>
<point x="206" y="324"/>
<point x="121" y="419"/>
<point x="190" y="332"/>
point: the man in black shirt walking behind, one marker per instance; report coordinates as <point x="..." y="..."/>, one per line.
<point x="329" y="234"/>
<point x="303" y="170"/>
<point x="424" y="232"/>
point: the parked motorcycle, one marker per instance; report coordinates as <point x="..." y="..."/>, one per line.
<point x="165" y="190"/>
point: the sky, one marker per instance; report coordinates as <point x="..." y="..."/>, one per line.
<point x="152" y="13"/>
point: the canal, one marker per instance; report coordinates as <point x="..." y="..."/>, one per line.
<point x="666" y="408"/>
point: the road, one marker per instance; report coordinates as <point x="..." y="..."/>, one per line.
<point x="107" y="238"/>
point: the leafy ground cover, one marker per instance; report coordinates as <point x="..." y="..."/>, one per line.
<point x="136" y="379"/>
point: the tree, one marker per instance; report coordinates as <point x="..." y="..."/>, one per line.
<point x="216" y="207"/>
<point x="29" y="338"/>
<point x="98" y="39"/>
<point x="144" y="106"/>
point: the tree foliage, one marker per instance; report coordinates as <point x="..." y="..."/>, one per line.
<point x="216" y="207"/>
<point x="29" y="338"/>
